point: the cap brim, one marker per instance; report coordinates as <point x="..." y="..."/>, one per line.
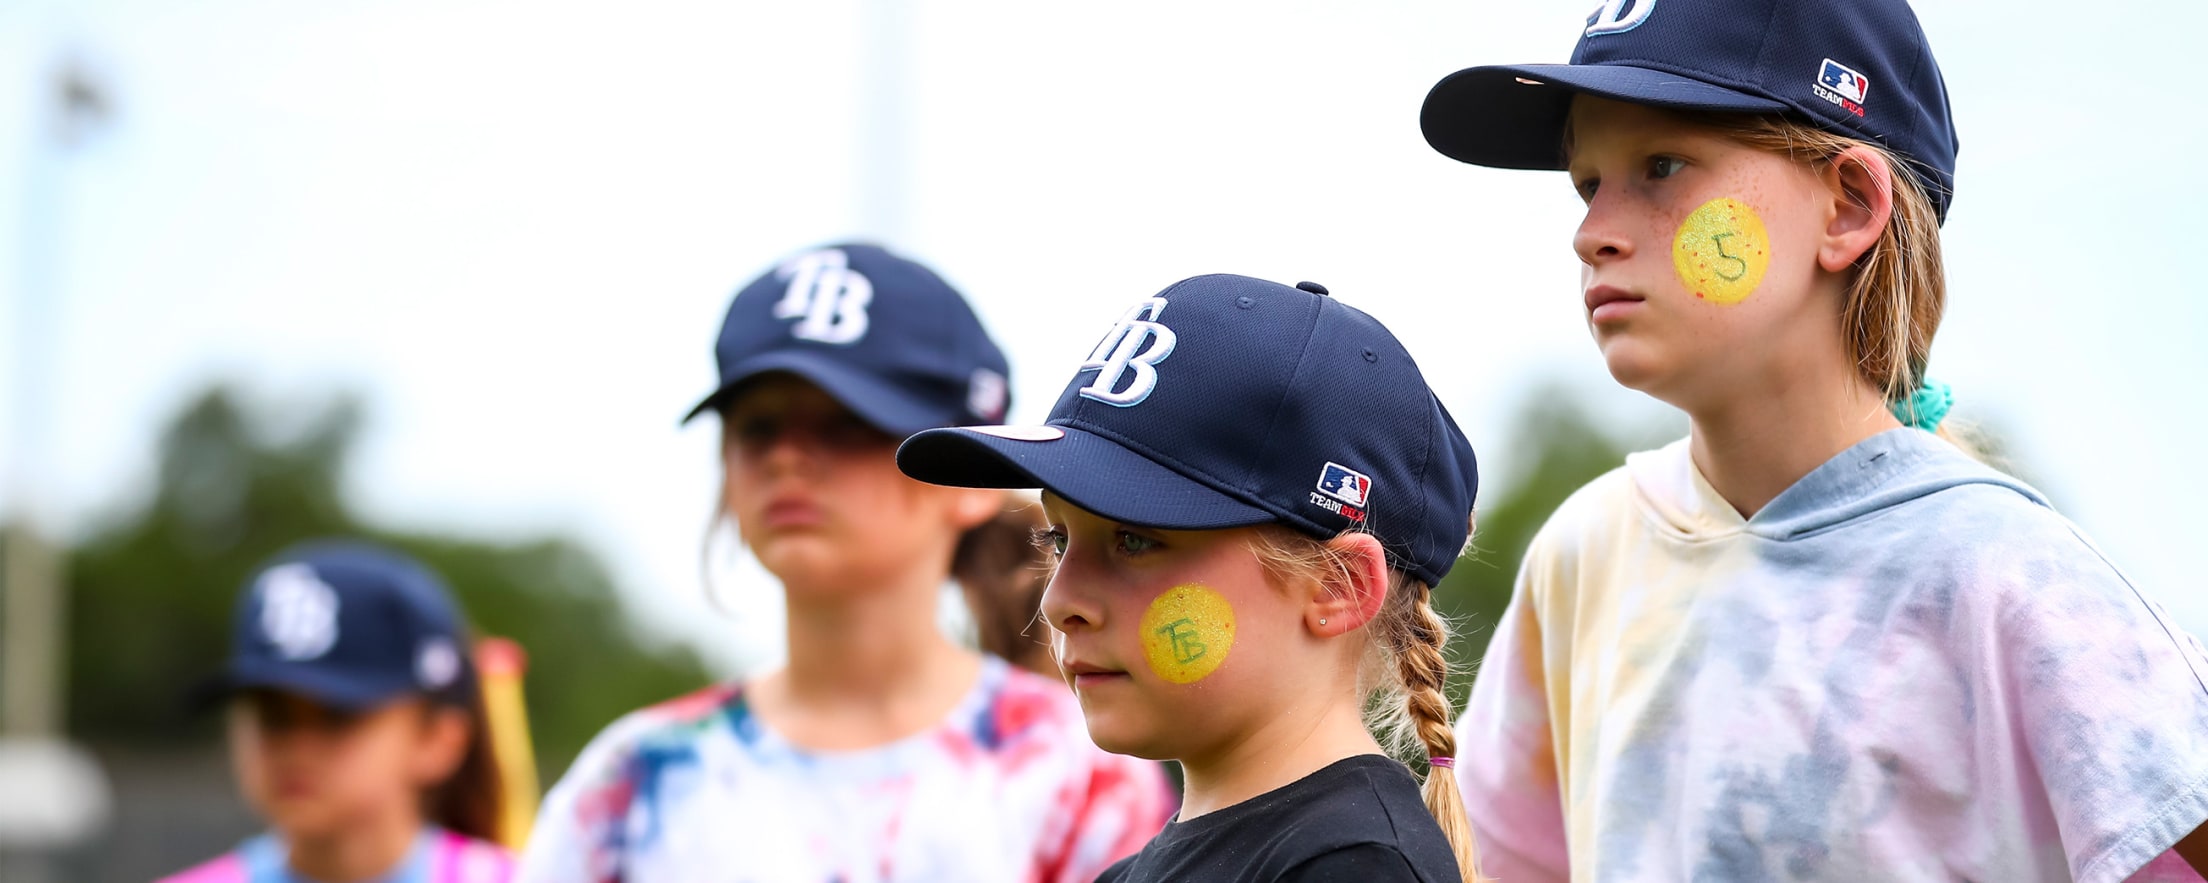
<point x="1089" y="470"/>
<point x="879" y="402"/>
<point x="326" y="688"/>
<point x="1512" y="116"/>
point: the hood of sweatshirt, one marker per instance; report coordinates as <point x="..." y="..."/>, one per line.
<point x="1886" y="470"/>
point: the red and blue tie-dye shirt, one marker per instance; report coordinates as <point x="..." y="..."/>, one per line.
<point x="1007" y="788"/>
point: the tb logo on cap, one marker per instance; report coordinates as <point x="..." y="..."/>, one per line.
<point x="298" y="612"/>
<point x="1136" y="345"/>
<point x="1619" y="16"/>
<point x="826" y="297"/>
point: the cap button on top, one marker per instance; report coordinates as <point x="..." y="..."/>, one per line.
<point x="1313" y="287"/>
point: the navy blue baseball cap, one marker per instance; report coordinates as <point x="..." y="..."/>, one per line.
<point x="884" y="335"/>
<point x="1226" y="401"/>
<point x="1860" y="68"/>
<point x="349" y="625"/>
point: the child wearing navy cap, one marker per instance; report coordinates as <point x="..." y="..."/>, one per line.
<point x="1815" y="639"/>
<point x="882" y="751"/>
<point x="356" y="727"/>
<point x="1251" y="490"/>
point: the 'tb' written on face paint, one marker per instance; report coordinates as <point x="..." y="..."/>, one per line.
<point x="1187" y="645"/>
<point x="1187" y="633"/>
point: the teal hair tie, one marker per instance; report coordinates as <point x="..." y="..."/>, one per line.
<point x="1925" y="408"/>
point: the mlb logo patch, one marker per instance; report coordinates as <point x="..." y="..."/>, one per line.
<point x="1345" y="484"/>
<point x="1842" y="85"/>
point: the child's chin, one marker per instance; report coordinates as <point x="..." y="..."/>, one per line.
<point x="299" y="818"/>
<point x="1631" y="364"/>
<point x="1119" y="738"/>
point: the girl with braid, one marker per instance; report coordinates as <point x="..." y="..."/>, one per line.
<point x="1249" y="490"/>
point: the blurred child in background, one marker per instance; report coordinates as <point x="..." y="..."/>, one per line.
<point x="1002" y="570"/>
<point x="883" y="750"/>
<point x="356" y="727"/>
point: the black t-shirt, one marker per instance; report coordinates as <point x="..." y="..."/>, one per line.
<point x="1358" y="820"/>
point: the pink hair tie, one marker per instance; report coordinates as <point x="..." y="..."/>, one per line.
<point x="1447" y="763"/>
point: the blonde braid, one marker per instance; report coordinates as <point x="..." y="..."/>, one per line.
<point x="1422" y="663"/>
<point x="1405" y="669"/>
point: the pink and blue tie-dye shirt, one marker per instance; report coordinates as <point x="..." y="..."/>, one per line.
<point x="1906" y="667"/>
<point x="1007" y="788"/>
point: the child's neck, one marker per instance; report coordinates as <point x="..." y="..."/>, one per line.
<point x="865" y="667"/>
<point x="363" y="849"/>
<point x="1753" y="447"/>
<point x="1288" y="748"/>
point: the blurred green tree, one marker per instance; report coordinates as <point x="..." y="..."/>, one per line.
<point x="151" y="594"/>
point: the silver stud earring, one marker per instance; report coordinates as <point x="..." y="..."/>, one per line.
<point x="1322" y="622"/>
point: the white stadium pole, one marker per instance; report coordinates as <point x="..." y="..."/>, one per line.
<point x="58" y="796"/>
<point x="885" y="122"/>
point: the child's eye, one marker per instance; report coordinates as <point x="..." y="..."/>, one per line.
<point x="754" y="431"/>
<point x="846" y="432"/>
<point x="1051" y="539"/>
<point x="1660" y="167"/>
<point x="1134" y="543"/>
<point x="1586" y="188"/>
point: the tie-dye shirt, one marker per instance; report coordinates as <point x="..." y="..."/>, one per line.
<point x="1007" y="788"/>
<point x="1905" y="667"/>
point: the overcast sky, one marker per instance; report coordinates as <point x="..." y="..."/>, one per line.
<point x="514" y="227"/>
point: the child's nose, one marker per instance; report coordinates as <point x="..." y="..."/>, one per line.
<point x="1599" y="239"/>
<point x="1065" y="607"/>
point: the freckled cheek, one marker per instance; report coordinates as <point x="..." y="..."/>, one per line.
<point x="1721" y="251"/>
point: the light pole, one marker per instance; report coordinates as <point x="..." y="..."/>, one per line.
<point x="885" y="122"/>
<point x="32" y="657"/>
<point x="58" y="796"/>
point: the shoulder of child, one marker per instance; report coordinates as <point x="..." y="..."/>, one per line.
<point x="590" y="798"/>
<point x="1607" y="496"/>
<point x="226" y="868"/>
<point x="1996" y="533"/>
<point x="1357" y="863"/>
<point x="2109" y="696"/>
<point x="463" y="859"/>
<point x="1370" y="806"/>
<point x="675" y="718"/>
<point x="1578" y="525"/>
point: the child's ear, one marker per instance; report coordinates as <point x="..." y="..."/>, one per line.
<point x="1352" y="596"/>
<point x="446" y="732"/>
<point x="1860" y="183"/>
<point x="971" y="507"/>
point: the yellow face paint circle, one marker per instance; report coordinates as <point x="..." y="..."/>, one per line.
<point x="1722" y="251"/>
<point x="1187" y="632"/>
